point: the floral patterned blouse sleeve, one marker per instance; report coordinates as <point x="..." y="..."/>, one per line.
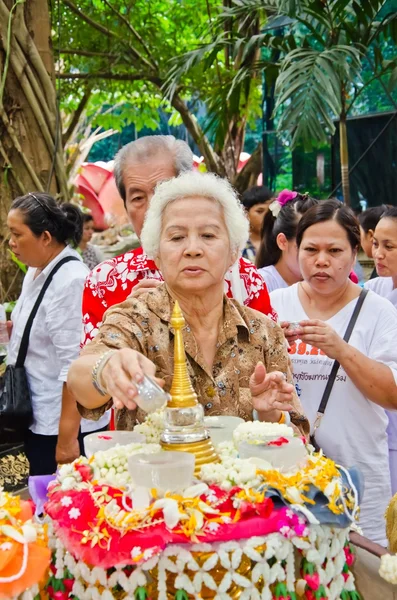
<point x="276" y="358"/>
<point x="119" y="330"/>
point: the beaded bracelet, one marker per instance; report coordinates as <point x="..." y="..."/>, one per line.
<point x="97" y="370"/>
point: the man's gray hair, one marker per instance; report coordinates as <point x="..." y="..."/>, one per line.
<point x="191" y="185"/>
<point x="147" y="147"/>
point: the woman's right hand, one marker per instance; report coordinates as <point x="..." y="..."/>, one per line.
<point x="119" y="373"/>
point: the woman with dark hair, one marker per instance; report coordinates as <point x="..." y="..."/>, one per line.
<point x="368" y="221"/>
<point x="351" y="429"/>
<point x="384" y="252"/>
<point x="43" y="233"/>
<point x="277" y="258"/>
<point x="256" y="202"/>
<point x="90" y="254"/>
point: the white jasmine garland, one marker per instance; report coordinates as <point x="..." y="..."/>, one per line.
<point x="227" y="450"/>
<point x="229" y="473"/>
<point x="191" y="577"/>
<point x="152" y="427"/>
<point x="258" y="430"/>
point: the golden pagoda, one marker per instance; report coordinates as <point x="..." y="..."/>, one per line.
<point x="184" y="416"/>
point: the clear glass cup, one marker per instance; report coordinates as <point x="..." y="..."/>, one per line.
<point x="284" y="457"/>
<point x="164" y="471"/>
<point x="184" y="425"/>
<point x="221" y="428"/>
<point x="151" y="396"/>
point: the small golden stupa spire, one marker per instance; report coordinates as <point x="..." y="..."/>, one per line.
<point x="184" y="429"/>
<point x="182" y="392"/>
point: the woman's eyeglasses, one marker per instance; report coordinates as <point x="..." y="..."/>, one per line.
<point x="43" y="206"/>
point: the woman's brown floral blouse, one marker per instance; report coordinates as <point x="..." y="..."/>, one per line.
<point x="247" y="337"/>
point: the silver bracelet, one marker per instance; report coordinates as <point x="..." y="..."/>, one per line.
<point x="97" y="370"/>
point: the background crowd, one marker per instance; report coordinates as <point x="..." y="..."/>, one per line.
<point x="236" y="269"/>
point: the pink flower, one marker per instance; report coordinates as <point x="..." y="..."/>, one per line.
<point x="350" y="558"/>
<point x="286" y="196"/>
<point x="85" y="471"/>
<point x="313" y="581"/>
<point x="279" y="442"/>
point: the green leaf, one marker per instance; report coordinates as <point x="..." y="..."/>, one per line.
<point x="175" y="119"/>
<point x="20" y="264"/>
<point x="309" y="88"/>
<point x="392" y="81"/>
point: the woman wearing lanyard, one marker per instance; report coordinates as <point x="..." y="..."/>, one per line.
<point x="353" y="428"/>
<point x="41" y="235"/>
<point x="384" y="253"/>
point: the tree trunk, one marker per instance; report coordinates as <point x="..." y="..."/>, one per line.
<point x="30" y="138"/>
<point x="344" y="158"/>
<point x="249" y="173"/>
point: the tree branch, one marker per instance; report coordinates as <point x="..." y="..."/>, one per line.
<point x="88" y="20"/>
<point x="112" y="76"/>
<point x="76" y="115"/>
<point x="78" y="52"/>
<point x="367" y="84"/>
<point x="39" y="111"/>
<point x="7" y="50"/>
<point x="134" y="33"/>
<point x="212" y="160"/>
<point x="10" y="130"/>
<point x="24" y="72"/>
<point x="250" y="171"/>
<point x="106" y="31"/>
<point x="42" y="98"/>
<point x="9" y="165"/>
<point x="30" y="51"/>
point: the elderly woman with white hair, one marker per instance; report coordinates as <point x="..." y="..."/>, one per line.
<point x="195" y="229"/>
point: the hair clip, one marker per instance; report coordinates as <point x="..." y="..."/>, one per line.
<point x="275" y="208"/>
<point x="282" y="199"/>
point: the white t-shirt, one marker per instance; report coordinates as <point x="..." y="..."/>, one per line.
<point x="384" y="287"/>
<point x="272" y="278"/>
<point x="353" y="429"/>
<point x="54" y="340"/>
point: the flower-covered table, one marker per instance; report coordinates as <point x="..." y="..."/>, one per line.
<point x="243" y="530"/>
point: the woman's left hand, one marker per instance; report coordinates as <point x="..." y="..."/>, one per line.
<point x="321" y="336"/>
<point x="270" y="391"/>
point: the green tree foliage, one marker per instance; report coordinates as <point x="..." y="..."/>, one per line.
<point x="314" y="51"/>
<point x="124" y="53"/>
<point x="178" y="55"/>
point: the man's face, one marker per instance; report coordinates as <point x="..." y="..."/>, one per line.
<point x="140" y="180"/>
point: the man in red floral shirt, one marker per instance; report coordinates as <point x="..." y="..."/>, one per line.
<point x="139" y="167"/>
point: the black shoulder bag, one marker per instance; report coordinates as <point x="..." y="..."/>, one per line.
<point x="334" y="370"/>
<point x="16" y="412"/>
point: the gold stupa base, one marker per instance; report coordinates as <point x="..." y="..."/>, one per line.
<point x="204" y="452"/>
